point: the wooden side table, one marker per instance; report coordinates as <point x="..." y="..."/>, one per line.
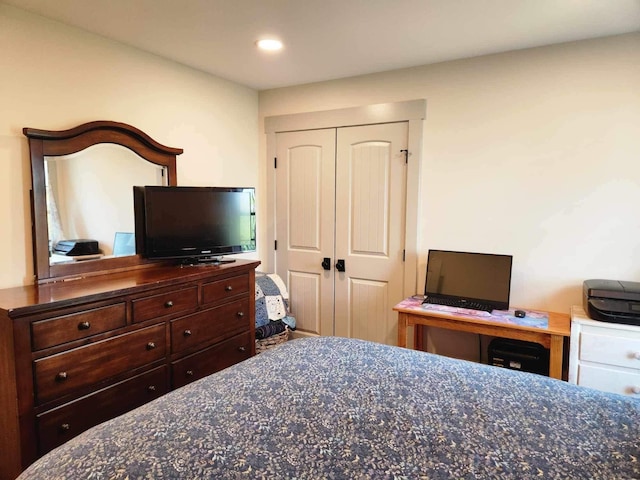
<point x="411" y="313"/>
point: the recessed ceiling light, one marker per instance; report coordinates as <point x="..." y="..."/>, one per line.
<point x="269" y="44"/>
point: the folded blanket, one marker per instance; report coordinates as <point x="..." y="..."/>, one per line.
<point x="272" y="328"/>
<point x="272" y="301"/>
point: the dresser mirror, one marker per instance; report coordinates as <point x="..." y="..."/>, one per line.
<point x="83" y="182"/>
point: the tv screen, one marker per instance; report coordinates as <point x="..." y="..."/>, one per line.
<point x="468" y="278"/>
<point x="199" y="223"/>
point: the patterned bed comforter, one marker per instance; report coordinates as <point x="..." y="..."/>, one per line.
<point x="348" y="409"/>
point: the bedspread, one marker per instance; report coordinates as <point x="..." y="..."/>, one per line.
<point x="348" y="409"/>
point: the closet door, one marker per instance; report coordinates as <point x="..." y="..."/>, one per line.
<point x="370" y="226"/>
<point x="305" y="218"/>
<point x="347" y="206"/>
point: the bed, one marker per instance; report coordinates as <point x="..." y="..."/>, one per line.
<point x="340" y="408"/>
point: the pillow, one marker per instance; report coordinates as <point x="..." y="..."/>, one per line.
<point x="272" y="300"/>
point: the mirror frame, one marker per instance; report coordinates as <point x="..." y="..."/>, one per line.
<point x="51" y="143"/>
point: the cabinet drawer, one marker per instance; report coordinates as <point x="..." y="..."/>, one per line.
<point x="169" y="303"/>
<point x="210" y="325"/>
<point x="610" y="350"/>
<point x="60" y="374"/>
<point x="221" y="290"/>
<point x="63" y="423"/>
<point x="65" y="328"/>
<point x="211" y="360"/>
<point x="609" y="379"/>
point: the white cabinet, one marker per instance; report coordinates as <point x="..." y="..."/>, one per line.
<point x="604" y="355"/>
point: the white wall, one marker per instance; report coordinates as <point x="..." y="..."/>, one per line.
<point x="55" y="77"/>
<point x="534" y="153"/>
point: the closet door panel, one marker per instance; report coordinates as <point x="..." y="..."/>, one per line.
<point x="305" y="194"/>
<point x="369" y="186"/>
<point x="304" y="292"/>
<point x="368" y="312"/>
<point x="305" y="206"/>
<point x="370" y="213"/>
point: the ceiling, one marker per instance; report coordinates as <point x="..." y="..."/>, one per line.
<point x="328" y="39"/>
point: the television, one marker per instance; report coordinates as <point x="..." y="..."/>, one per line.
<point x="478" y="281"/>
<point x="194" y="224"/>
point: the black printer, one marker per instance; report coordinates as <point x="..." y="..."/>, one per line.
<point x="612" y="301"/>
<point x="77" y="247"/>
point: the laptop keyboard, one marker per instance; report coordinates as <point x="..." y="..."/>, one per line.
<point x="458" y="303"/>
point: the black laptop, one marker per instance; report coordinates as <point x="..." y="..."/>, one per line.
<point x="478" y="281"/>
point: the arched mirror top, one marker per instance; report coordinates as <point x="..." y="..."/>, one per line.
<point x="60" y="158"/>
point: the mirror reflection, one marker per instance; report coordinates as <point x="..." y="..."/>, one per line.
<point x="89" y="197"/>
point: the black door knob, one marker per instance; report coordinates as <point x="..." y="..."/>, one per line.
<point x="340" y="265"/>
<point x="326" y="263"/>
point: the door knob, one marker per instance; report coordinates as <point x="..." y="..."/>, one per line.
<point x="340" y="265"/>
<point x="326" y="263"/>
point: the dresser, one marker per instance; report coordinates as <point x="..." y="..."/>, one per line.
<point x="604" y="355"/>
<point x="78" y="352"/>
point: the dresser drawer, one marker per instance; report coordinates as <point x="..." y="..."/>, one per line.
<point x="169" y="303"/>
<point x="211" y="360"/>
<point x="609" y="379"/>
<point x="210" y="325"/>
<point x="63" y="423"/>
<point x="222" y="290"/>
<point x="60" y="374"/>
<point x="74" y="326"/>
<point x="602" y="347"/>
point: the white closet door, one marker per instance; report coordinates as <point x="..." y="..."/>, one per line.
<point x="305" y="207"/>
<point x="343" y="204"/>
<point x="370" y="225"/>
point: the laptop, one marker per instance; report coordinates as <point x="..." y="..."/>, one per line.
<point x="124" y="243"/>
<point x="478" y="281"/>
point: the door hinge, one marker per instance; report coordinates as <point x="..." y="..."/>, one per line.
<point x="404" y="255"/>
<point x="275" y="162"/>
<point x="275" y="244"/>
<point x="406" y="155"/>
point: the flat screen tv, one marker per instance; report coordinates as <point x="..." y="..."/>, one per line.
<point x="479" y="281"/>
<point x="195" y="224"/>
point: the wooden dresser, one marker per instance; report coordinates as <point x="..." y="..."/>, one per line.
<point x="604" y="355"/>
<point x="78" y="352"/>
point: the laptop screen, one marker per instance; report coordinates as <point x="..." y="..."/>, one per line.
<point x="478" y="277"/>
<point x="124" y="243"/>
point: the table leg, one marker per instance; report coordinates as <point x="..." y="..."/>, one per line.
<point x="555" y="357"/>
<point x="402" y="329"/>
<point x="418" y="335"/>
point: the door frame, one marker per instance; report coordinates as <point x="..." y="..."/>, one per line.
<point x="411" y="111"/>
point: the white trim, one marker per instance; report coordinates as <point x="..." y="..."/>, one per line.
<point x="347" y="117"/>
<point x="412" y="111"/>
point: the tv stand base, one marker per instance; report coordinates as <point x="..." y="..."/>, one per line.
<point x="206" y="261"/>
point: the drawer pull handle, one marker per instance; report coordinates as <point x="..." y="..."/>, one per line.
<point x="168" y="304"/>
<point x="240" y="314"/>
<point x="151" y="388"/>
<point x="84" y="326"/>
<point x="187" y="333"/>
<point x="151" y="346"/>
<point x="242" y="349"/>
<point x="228" y="288"/>
<point x="189" y="373"/>
<point x="61" y="376"/>
<point x="65" y="427"/>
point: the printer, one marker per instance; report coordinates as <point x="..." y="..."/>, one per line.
<point x="77" y="247"/>
<point x="612" y="301"/>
